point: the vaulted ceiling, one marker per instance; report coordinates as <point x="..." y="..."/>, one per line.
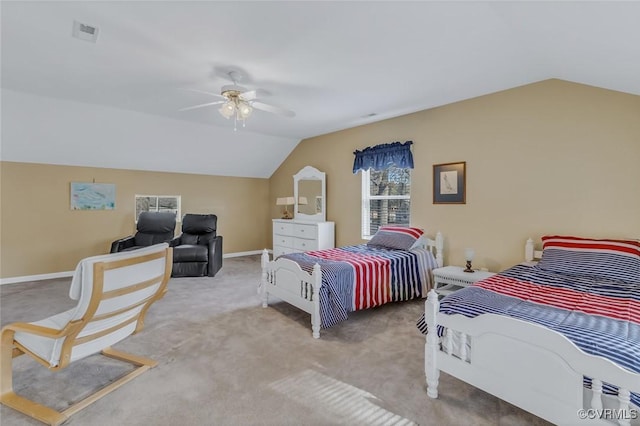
<point x="335" y="64"/>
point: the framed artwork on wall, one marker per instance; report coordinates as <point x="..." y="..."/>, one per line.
<point x="93" y="196"/>
<point x="449" y="183"/>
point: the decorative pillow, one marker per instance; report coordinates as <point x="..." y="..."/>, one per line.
<point x="396" y="237"/>
<point x="603" y="258"/>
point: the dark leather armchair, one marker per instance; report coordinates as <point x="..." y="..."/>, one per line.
<point x="197" y="252"/>
<point x="152" y="228"/>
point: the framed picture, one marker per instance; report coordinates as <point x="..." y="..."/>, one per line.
<point x="93" y="196"/>
<point x="449" y="183"/>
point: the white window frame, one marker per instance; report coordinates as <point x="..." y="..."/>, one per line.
<point x="367" y="197"/>
<point x="158" y="209"/>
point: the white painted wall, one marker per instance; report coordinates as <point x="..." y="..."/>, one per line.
<point x="37" y="129"/>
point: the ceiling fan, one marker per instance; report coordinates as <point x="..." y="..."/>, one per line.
<point x="238" y="102"/>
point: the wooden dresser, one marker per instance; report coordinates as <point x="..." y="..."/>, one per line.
<point x="290" y="236"/>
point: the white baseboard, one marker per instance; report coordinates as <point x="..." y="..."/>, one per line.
<point x="39" y="277"/>
<point x="242" y="253"/>
<point x="65" y="274"/>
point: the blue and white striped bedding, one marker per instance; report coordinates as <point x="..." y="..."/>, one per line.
<point x="600" y="316"/>
<point x="362" y="276"/>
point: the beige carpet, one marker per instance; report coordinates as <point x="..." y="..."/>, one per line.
<point x="224" y="360"/>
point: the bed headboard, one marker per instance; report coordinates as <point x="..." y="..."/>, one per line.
<point x="530" y="254"/>
<point x="436" y="247"/>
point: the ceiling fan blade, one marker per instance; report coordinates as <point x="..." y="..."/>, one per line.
<point x="217" y="95"/>
<point x="202" y="105"/>
<point x="252" y="94"/>
<point x="273" y="109"/>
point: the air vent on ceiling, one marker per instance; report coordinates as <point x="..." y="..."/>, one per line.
<point x="85" y="32"/>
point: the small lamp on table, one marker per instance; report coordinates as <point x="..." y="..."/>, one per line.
<point x="286" y="202"/>
<point x="468" y="255"/>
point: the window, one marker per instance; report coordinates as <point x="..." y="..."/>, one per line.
<point x="158" y="203"/>
<point x="386" y="199"/>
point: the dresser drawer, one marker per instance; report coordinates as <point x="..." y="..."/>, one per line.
<point x="305" y="231"/>
<point x="283" y="228"/>
<point x="304" y="245"/>
<point x="283" y="240"/>
<point x="291" y="236"/>
<point x="279" y="251"/>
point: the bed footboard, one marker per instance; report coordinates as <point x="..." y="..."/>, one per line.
<point x="527" y="365"/>
<point x="284" y="279"/>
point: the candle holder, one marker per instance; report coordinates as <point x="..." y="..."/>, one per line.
<point x="469" y="254"/>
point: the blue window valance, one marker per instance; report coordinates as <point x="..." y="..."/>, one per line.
<point x="383" y="156"/>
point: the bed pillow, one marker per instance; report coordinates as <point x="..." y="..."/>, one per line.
<point x="602" y="258"/>
<point x="396" y="237"/>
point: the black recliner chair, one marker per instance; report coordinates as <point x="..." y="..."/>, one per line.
<point x="152" y="228"/>
<point x="197" y="252"/>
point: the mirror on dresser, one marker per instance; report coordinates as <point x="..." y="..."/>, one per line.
<point x="308" y="230"/>
<point x="309" y="190"/>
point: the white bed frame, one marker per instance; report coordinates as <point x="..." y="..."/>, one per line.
<point x="284" y="279"/>
<point x="527" y="365"/>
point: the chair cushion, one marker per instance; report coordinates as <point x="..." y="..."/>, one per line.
<point x="49" y="349"/>
<point x="145" y="240"/>
<point x="84" y="271"/>
<point x="81" y="289"/>
<point x="156" y="222"/>
<point x="190" y="253"/>
<point x="133" y="248"/>
<point x="154" y="228"/>
<point x="199" y="223"/>
<point x="189" y="269"/>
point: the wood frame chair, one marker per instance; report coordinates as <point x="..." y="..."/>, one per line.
<point x="114" y="293"/>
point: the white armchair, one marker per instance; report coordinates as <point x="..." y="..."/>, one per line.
<point x="114" y="292"/>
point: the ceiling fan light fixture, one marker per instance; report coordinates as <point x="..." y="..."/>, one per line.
<point x="244" y="110"/>
<point x="227" y="109"/>
<point x="238" y="103"/>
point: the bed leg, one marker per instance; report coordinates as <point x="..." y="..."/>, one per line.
<point x="263" y="279"/>
<point x="432" y="373"/>
<point x="315" y="316"/>
<point x="315" y="328"/>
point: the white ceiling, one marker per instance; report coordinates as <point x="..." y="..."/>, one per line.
<point x="333" y="63"/>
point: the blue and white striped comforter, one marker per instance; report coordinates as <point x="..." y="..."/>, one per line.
<point x="361" y="276"/>
<point x="601" y="317"/>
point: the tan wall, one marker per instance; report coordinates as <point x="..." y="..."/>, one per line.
<point x="550" y="157"/>
<point x="40" y="234"/>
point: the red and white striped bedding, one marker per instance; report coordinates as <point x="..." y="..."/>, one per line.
<point x="361" y="277"/>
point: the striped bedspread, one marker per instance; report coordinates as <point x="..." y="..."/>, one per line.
<point x="361" y="277"/>
<point x="601" y="317"/>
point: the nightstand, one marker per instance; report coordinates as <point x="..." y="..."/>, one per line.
<point x="451" y="278"/>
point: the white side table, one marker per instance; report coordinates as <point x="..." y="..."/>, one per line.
<point x="451" y="278"/>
